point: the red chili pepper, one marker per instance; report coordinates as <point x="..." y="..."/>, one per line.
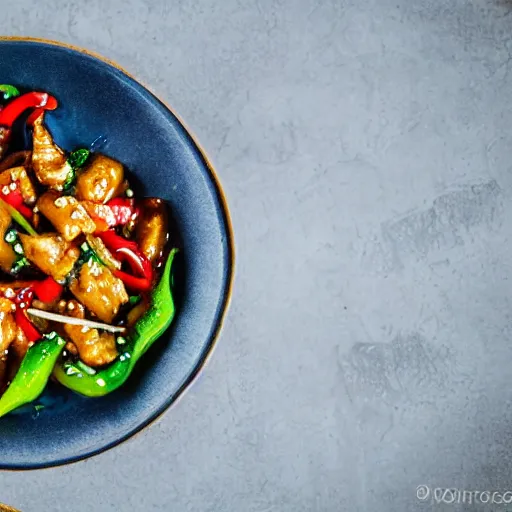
<point x="128" y="251"/>
<point x="26" y="325"/>
<point x="47" y="290"/>
<point x="15" y="199"/>
<point x="16" y="107"/>
<point x="31" y="119"/>
<point x="140" y="284"/>
<point x="9" y="114"/>
<point x="113" y="241"/>
<point x="23" y="300"/>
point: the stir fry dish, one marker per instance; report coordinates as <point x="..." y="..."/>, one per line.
<point x="86" y="268"/>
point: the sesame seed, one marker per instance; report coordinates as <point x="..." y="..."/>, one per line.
<point x="60" y="202"/>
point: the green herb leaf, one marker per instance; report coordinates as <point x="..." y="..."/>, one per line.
<point x="78" y="158"/>
<point x="70" y="179"/>
<point x="87" y="254"/>
<point x="9" y="91"/>
<point x="19" y="265"/>
<point x="134" y="299"/>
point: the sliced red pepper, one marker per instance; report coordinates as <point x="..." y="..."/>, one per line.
<point x="16" y="107"/>
<point x="48" y="290"/>
<point x="9" y="114"/>
<point x="15" y="199"/>
<point x="21" y="319"/>
<point x="23" y="300"/>
<point x="113" y="242"/>
<point x="137" y="261"/>
<point x="139" y="264"/>
<point x="32" y="118"/>
<point x="140" y="284"/>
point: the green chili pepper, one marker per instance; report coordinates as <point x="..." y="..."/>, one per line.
<point x="34" y="372"/>
<point x="148" y="329"/>
<point x="9" y="91"/>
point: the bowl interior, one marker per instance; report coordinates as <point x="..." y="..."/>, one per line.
<point x="98" y="100"/>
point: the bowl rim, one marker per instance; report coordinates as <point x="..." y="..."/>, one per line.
<point x="231" y="263"/>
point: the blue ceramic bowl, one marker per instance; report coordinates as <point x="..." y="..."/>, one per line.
<point x="98" y="99"/>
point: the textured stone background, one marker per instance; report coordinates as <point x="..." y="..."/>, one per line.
<point x="366" y="151"/>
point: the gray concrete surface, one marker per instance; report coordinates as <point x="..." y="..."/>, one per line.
<point x="366" y="151"/>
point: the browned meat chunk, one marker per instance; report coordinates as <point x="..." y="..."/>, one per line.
<point x="48" y="160"/>
<point x="105" y="256"/>
<point x="152" y="227"/>
<point x="101" y="180"/>
<point x="8" y="330"/>
<point x="136" y="312"/>
<point x="94" y="349"/>
<point x="101" y="214"/>
<point x="14" y="285"/>
<point x="50" y="253"/>
<point x="19" y="175"/>
<point x="7" y="255"/>
<point x="8" y="326"/>
<point x="66" y="214"/>
<point x="99" y="290"/>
